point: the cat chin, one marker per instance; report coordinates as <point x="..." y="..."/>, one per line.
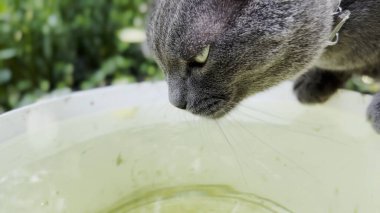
<point x="214" y="114"/>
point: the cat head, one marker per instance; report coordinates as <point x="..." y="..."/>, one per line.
<point x="214" y="53"/>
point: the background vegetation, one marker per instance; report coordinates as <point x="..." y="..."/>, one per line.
<point x="55" y="46"/>
<point x="63" y="45"/>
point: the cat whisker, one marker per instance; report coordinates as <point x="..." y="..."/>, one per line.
<point x="233" y="150"/>
<point x="273" y="115"/>
<point x="292" y="130"/>
<point x="274" y="149"/>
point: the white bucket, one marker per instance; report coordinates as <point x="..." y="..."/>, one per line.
<point x="125" y="149"/>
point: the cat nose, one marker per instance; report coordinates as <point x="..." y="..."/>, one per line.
<point x="177" y="92"/>
<point x="179" y="102"/>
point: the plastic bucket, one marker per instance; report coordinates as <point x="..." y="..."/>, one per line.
<point x="125" y="149"/>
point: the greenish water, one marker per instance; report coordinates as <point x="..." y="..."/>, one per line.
<point x="195" y="199"/>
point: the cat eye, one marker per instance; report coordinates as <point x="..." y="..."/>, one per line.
<point x="202" y="57"/>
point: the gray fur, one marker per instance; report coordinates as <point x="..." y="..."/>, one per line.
<point x="373" y="112"/>
<point x="256" y="44"/>
<point x="317" y="85"/>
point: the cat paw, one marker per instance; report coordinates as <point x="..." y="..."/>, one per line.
<point x="318" y="86"/>
<point x="373" y="113"/>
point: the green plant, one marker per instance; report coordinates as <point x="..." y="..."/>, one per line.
<point x="50" y="45"/>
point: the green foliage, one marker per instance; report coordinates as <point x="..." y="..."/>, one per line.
<point x="49" y="45"/>
<point x="363" y="84"/>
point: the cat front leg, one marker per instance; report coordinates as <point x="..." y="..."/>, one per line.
<point x="373" y="112"/>
<point x="317" y="85"/>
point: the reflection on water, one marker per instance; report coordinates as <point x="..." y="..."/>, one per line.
<point x="193" y="199"/>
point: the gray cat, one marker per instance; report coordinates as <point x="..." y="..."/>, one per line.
<point x="215" y="53"/>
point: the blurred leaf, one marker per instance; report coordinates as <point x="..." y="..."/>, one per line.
<point x="5" y="76"/>
<point x="7" y="54"/>
<point x="45" y="85"/>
